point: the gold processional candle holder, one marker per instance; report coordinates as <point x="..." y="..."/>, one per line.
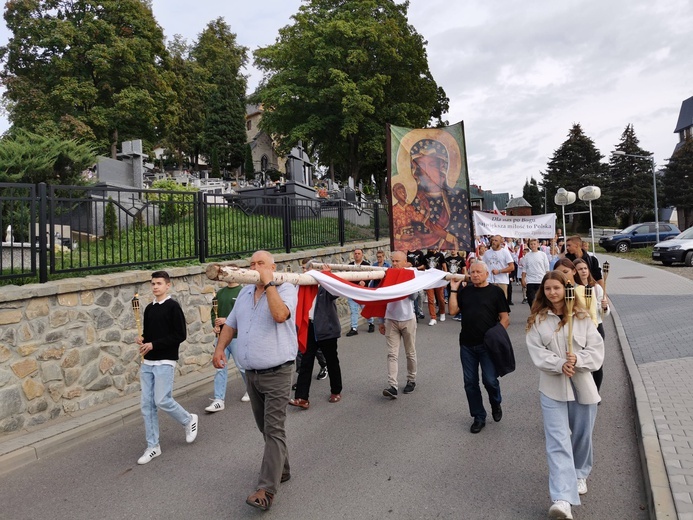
<point x="215" y="310"/>
<point x="138" y="319"/>
<point x="605" y="273"/>
<point x="588" y="297"/>
<point x="569" y="304"/>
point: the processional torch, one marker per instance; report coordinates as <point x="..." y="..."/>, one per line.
<point x="605" y="272"/>
<point x="588" y="298"/>
<point x="215" y="310"/>
<point x="136" y="311"/>
<point x="569" y="304"/>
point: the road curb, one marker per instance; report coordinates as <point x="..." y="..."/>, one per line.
<point x="659" y="495"/>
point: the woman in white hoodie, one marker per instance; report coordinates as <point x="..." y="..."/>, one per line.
<point x="567" y="390"/>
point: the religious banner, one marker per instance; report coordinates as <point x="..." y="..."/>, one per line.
<point x="429" y="189"/>
<point x="533" y="226"/>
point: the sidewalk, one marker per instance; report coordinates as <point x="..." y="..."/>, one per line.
<point x="655" y="326"/>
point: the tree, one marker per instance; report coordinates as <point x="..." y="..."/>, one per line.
<point x="249" y="167"/>
<point x="220" y="56"/>
<point x="32" y="158"/>
<point x="677" y="183"/>
<point x="86" y="69"/>
<point x="339" y="74"/>
<point x="184" y="134"/>
<point x="630" y="179"/>
<point x="531" y="193"/>
<point x="575" y="164"/>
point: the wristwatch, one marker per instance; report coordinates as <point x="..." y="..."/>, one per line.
<point x="271" y="284"/>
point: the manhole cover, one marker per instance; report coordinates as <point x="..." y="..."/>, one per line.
<point x="630" y="277"/>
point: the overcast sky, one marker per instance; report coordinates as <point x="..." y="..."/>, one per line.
<point x="519" y="74"/>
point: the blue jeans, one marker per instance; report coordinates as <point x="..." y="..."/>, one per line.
<point x="568" y="429"/>
<point x="157" y="393"/>
<point x="472" y="357"/>
<point x="355" y="309"/>
<point x="222" y="374"/>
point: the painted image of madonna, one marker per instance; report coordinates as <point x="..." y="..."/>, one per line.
<point x="430" y="202"/>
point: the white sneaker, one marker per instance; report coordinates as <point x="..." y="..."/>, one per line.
<point x="149" y="454"/>
<point x="245" y="398"/>
<point x="432" y="322"/>
<point x="560" y="510"/>
<point x="582" y="486"/>
<point x="216" y="406"/>
<point x="441" y="317"/>
<point x="191" y="429"/>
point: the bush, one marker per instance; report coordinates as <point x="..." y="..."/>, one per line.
<point x="173" y="206"/>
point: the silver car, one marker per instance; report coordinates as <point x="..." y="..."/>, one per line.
<point x="676" y="250"/>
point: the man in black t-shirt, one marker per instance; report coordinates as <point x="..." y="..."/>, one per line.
<point x="435" y="260"/>
<point x="417" y="260"/>
<point x="483" y="305"/>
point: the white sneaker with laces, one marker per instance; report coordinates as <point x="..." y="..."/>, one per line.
<point x="560" y="510"/>
<point x="441" y="317"/>
<point x="432" y="322"/>
<point x="191" y="429"/>
<point x="582" y="486"/>
<point x="216" y="406"/>
<point x="245" y="398"/>
<point x="149" y="454"/>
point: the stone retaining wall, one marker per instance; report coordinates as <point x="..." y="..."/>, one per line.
<point x="69" y="345"/>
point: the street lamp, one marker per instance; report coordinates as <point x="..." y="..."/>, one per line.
<point x="563" y="198"/>
<point x="590" y="193"/>
<point x="654" y="182"/>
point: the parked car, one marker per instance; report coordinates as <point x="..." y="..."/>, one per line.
<point x="677" y="250"/>
<point x="638" y="235"/>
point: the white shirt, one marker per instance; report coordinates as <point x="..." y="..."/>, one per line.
<point x="401" y="310"/>
<point x="498" y="260"/>
<point x="536" y="266"/>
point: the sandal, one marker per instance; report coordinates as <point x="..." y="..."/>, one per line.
<point x="301" y="403"/>
<point x="261" y="499"/>
<point x="335" y="398"/>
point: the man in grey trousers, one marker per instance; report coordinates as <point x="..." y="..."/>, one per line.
<point x="264" y="317"/>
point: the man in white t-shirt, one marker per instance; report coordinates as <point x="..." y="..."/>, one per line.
<point x="500" y="263"/>
<point x="536" y="266"/>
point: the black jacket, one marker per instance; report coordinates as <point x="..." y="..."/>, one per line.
<point x="500" y="348"/>
<point x="326" y="322"/>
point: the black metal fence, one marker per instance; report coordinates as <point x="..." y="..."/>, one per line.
<point x="63" y="229"/>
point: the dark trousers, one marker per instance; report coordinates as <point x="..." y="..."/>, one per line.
<point x="510" y="292"/>
<point x="318" y="355"/>
<point x="598" y="375"/>
<point x="532" y="289"/>
<point x="305" y="373"/>
<point x="472" y="358"/>
<point x="269" y="397"/>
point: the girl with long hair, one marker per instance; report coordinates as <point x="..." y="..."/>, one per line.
<point x="567" y="391"/>
<point x="599" y="301"/>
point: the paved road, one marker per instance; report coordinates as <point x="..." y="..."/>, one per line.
<point x="364" y="458"/>
<point x="655" y="308"/>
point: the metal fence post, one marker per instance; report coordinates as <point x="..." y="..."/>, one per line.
<point x="42" y="222"/>
<point x="201" y="225"/>
<point x="287" y="224"/>
<point x="340" y="222"/>
<point x="376" y="219"/>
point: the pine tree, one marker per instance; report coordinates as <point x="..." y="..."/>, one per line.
<point x="677" y="183"/>
<point x="531" y="193"/>
<point x="630" y="183"/>
<point x="575" y="164"/>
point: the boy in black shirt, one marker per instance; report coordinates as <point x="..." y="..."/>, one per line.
<point x="164" y="331"/>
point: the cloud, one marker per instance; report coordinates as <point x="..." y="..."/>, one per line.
<point x="520" y="74"/>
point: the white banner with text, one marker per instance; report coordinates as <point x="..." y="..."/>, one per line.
<point x="533" y="226"/>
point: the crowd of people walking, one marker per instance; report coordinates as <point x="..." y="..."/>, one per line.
<point x="267" y="328"/>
